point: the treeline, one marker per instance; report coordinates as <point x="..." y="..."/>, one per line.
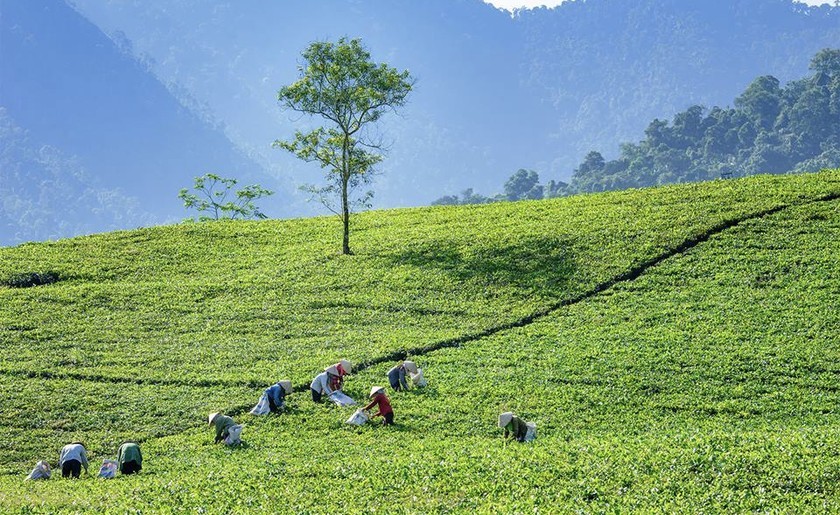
<point x="523" y="185"/>
<point x="771" y="129"/>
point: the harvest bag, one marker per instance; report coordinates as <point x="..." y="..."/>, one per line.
<point x="262" y="407"/>
<point x="233" y="435"/>
<point x="531" y="433"/>
<point x="108" y="469"/>
<point x="342" y="399"/>
<point x="41" y="471"/>
<point x="358" y="418"/>
<point x="418" y="378"/>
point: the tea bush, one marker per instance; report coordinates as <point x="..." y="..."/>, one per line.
<point x="706" y="383"/>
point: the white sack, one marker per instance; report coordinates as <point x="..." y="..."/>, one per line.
<point x="418" y="378"/>
<point x="108" y="469"/>
<point x="234" y="432"/>
<point x="342" y="399"/>
<point x="531" y="433"/>
<point x="358" y="418"/>
<point x="41" y="471"/>
<point x="262" y="407"/>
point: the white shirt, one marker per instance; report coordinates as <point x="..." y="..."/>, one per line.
<point x="73" y="451"/>
<point x="321" y="384"/>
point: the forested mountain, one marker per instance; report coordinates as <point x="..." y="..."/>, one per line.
<point x="771" y="129"/>
<point x="144" y="95"/>
<point x="45" y="194"/>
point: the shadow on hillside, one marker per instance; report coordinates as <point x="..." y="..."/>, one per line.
<point x="535" y="264"/>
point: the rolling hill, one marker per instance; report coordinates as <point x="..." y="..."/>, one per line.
<point x="676" y="347"/>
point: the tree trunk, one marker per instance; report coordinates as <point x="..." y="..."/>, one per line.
<point x="345" y="217"/>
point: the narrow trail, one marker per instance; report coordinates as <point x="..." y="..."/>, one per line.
<point x="626" y="276"/>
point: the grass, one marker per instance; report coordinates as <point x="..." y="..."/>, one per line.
<point x="707" y="383"/>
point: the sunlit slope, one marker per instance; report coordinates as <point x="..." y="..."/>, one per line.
<point x="708" y="383"/>
<point x="228" y="303"/>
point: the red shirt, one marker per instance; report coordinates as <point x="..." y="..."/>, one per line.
<point x="384" y="404"/>
<point x="336" y="382"/>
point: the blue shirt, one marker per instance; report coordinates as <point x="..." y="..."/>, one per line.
<point x="276" y="393"/>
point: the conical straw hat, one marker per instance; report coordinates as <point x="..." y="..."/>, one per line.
<point x="410" y="366"/>
<point x="346" y="365"/>
<point x="505" y="418"/>
<point x="287" y="385"/>
<point x="375" y="389"/>
<point x="211" y="418"/>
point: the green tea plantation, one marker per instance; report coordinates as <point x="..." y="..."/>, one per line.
<point x="678" y="349"/>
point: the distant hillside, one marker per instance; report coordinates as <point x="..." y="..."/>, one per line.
<point x="64" y="85"/>
<point x="772" y="129"/>
<point x="46" y="194"/>
<point x="495" y="93"/>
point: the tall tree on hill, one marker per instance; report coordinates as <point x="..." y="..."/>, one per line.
<point x="340" y="83"/>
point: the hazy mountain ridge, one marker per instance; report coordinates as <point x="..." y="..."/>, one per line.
<point x="495" y="92"/>
<point x="46" y="194"/>
<point x="111" y="125"/>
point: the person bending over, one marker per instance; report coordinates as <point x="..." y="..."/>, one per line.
<point x="377" y="393"/>
<point x="72" y="458"/>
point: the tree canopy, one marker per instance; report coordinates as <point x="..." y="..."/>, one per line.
<point x="215" y="196"/>
<point x="342" y="85"/>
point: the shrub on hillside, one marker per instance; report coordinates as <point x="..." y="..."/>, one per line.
<point x="30" y="279"/>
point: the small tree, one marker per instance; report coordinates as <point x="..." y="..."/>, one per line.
<point x="340" y="83"/>
<point x="215" y="195"/>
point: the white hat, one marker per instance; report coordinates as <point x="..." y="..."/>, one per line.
<point x="375" y="389"/>
<point x="346" y="366"/>
<point x="287" y="385"/>
<point x="332" y="369"/>
<point x="505" y="418"/>
<point x="212" y="418"/>
<point x="410" y="366"/>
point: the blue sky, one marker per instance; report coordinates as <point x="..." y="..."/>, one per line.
<point x="513" y="4"/>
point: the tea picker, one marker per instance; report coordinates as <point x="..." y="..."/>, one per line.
<point x="396" y="376"/>
<point x="273" y="399"/>
<point x="323" y="385"/>
<point x="517" y="428"/>
<point x="377" y="393"/>
<point x="343" y="368"/>
<point x="129" y="458"/>
<point x="226" y="429"/>
<point x="320" y="386"/>
<point x="72" y="458"/>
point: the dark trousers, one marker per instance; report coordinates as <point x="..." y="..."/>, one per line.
<point x="130" y="467"/>
<point x="71" y="467"/>
<point x="316" y="396"/>
<point x="275" y="408"/>
<point x="389" y="419"/>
